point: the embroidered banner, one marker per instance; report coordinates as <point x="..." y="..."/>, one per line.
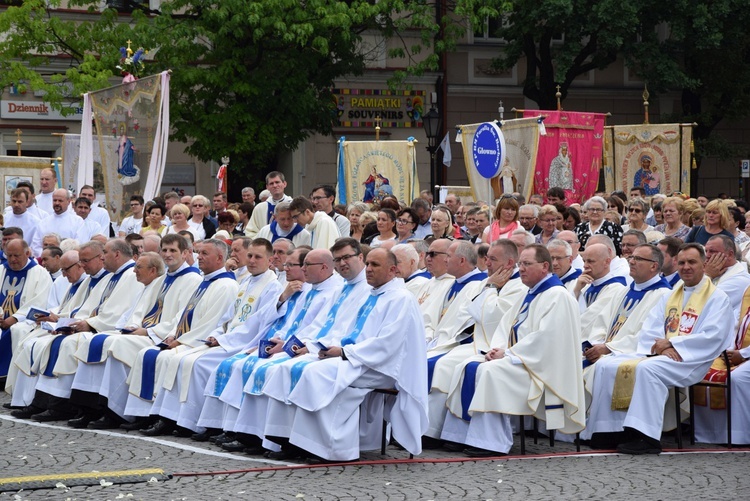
<point x="655" y="157"/>
<point x="570" y="154"/>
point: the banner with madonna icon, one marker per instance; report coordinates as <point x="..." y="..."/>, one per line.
<point x="131" y="139"/>
<point x="570" y="153"/>
<point x="655" y="157"/>
<point x="369" y="171"/>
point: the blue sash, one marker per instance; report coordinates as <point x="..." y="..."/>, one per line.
<point x="259" y="377"/>
<point x="93" y="282"/>
<point x="593" y="291"/>
<point x="629" y="303"/>
<point x="552" y="281"/>
<point x="572" y="276"/>
<point x="71" y="292"/>
<point x="149" y="373"/>
<point x="431" y="362"/>
<point x="468" y="387"/>
<point x="331" y="318"/>
<point x="5" y="352"/>
<point x="153" y="316"/>
<point x="275" y="236"/>
<point x="54" y="354"/>
<point x="297" y="370"/>
<point x="425" y="274"/>
<point x="186" y="319"/>
<point x="95" y="348"/>
<point x="224" y="371"/>
<point x="364" y="311"/>
<point x="12" y="288"/>
<point x="271" y="207"/>
<point x="110" y="288"/>
<point x="458" y="287"/>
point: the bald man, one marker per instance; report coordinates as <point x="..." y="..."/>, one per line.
<point x="62" y="221"/>
<point x="597" y="286"/>
<point x="48" y="183"/>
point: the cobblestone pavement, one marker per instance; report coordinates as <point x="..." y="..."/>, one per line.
<point x="37" y="449"/>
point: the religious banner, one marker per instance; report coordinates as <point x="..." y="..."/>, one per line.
<point x="132" y="135"/>
<point x="655" y="157"/>
<point x="516" y="174"/>
<point x="71" y="148"/>
<point x="570" y="153"/>
<point x="368" y="171"/>
<point x="17" y="169"/>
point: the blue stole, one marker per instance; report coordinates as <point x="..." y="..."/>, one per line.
<point x="468" y="387"/>
<point x="573" y="276"/>
<point x="93" y="282"/>
<point x="593" y="291"/>
<point x="186" y="319"/>
<point x="425" y="274"/>
<point x="259" y="378"/>
<point x="10" y="297"/>
<point x="110" y="288"/>
<point x="271" y="207"/>
<point x="458" y="287"/>
<point x="71" y="292"/>
<point x="673" y="281"/>
<point x="275" y="236"/>
<point x="629" y="303"/>
<point x="331" y="318"/>
<point x="362" y="315"/>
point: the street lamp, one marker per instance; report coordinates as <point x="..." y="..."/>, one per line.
<point x="433" y="124"/>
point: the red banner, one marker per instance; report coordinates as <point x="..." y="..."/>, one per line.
<point x="570" y="154"/>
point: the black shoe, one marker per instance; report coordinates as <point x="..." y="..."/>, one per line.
<point x="283" y="455"/>
<point x="255" y="450"/>
<point x="105" y="422"/>
<point x="476" y="452"/>
<point x="235" y="446"/>
<point x="607" y="440"/>
<point x="49" y="416"/>
<point x="453" y="446"/>
<point x="222" y="438"/>
<point x="81" y="421"/>
<point x="7" y="405"/>
<point x="645" y="445"/>
<point x="206" y="435"/>
<point x="431" y="443"/>
<point x="320" y="460"/>
<point x="26" y="412"/>
<point x="182" y="432"/>
<point x="137" y="425"/>
<point x="161" y="427"/>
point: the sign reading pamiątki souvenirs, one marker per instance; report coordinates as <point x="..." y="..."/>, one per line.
<point x="361" y="107"/>
<point x="36" y="110"/>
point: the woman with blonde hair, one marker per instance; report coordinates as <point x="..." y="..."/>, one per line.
<point x="672" y="210"/>
<point x="506" y="220"/>
<point x="548" y="221"/>
<point x="717" y="222"/>
<point x="688" y="207"/>
<point x="353" y="213"/>
<point x="442" y="223"/>
<point x="179" y="214"/>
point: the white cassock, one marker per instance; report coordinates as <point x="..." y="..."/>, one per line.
<point x="44" y="202"/>
<point x="595" y="298"/>
<point x="387" y="351"/>
<point x="655" y="375"/>
<point x="154" y="368"/>
<point x="262" y="215"/>
<point x="539" y="375"/>
<point x="416" y="281"/>
<point x="431" y="301"/>
<point x="486" y="311"/>
<point x="29" y="223"/>
<point x="67" y="225"/>
<point x="733" y="282"/>
<point x="323" y="231"/>
<point x="223" y="385"/>
<point x="577" y="262"/>
<point x="264" y="408"/>
<point x="100" y="216"/>
<point x="24" y="367"/>
<point x="60" y="285"/>
<point x="299" y="238"/>
<point x="20" y="291"/>
<point x="109" y="300"/>
<point x="570" y="278"/>
<point x="259" y="296"/>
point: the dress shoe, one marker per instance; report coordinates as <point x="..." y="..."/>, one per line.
<point x="181" y="432"/>
<point x="476" y="452"/>
<point x="222" y="438"/>
<point x="161" y="427"/>
<point x="138" y="424"/>
<point x="206" y="435"/>
<point x="607" y="440"/>
<point x="80" y="422"/>
<point x="255" y="450"/>
<point x="50" y="415"/>
<point x="284" y="454"/>
<point x="106" y="422"/>
<point x="26" y="412"/>
<point x="7" y="405"/>
<point x="645" y="445"/>
<point x="453" y="446"/>
<point x="431" y="443"/>
<point x="235" y="446"/>
<point x="320" y="460"/>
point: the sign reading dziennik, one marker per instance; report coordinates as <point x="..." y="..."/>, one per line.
<point x="36" y="110"/>
<point x="488" y="150"/>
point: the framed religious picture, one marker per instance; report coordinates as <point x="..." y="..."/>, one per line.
<point x="17" y="169"/>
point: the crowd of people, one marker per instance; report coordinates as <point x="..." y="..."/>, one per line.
<point x="264" y="326"/>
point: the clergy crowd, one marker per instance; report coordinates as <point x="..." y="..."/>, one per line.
<point x="293" y="327"/>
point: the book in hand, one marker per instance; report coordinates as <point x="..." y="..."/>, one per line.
<point x="35" y="314"/>
<point x="264" y="348"/>
<point x="127" y="330"/>
<point x="292" y="345"/>
<point x="163" y="346"/>
<point x="320" y="346"/>
<point x="585" y="346"/>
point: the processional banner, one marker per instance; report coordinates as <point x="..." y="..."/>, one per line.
<point x="132" y="135"/>
<point x="517" y="174"/>
<point x="570" y="153"/>
<point x="368" y="171"/>
<point x="71" y="149"/>
<point x="655" y="157"/>
<point x="17" y="169"/>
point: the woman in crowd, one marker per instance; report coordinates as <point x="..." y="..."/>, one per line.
<point x="697" y="217"/>
<point x="637" y="212"/>
<point x="596" y="225"/>
<point x="406" y="224"/>
<point x="179" y="215"/>
<point x="548" y="221"/>
<point x="717" y="222"/>
<point x="442" y="223"/>
<point x="737" y="221"/>
<point x="688" y="207"/>
<point x="227" y="221"/>
<point x="572" y="219"/>
<point x="506" y="220"/>
<point x="153" y="220"/>
<point x="245" y="212"/>
<point x="672" y="210"/>
<point x="616" y="204"/>
<point x="353" y="213"/>
<point x="198" y="221"/>
<point x="386" y="224"/>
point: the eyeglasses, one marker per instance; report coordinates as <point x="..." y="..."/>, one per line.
<point x="639" y="259"/>
<point x="344" y="258"/>
<point x="593" y="209"/>
<point x="560" y="258"/>
<point x="404" y="221"/>
<point x="65" y="270"/>
<point x="197" y="205"/>
<point x="315" y="199"/>
<point x="526" y="264"/>
<point x="432" y="254"/>
<point x="291" y="265"/>
<point x="87" y="261"/>
<point x="307" y="265"/>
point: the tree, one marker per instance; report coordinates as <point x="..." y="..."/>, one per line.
<point x="249" y="79"/>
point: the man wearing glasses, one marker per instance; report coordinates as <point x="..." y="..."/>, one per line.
<point x="432" y="298"/>
<point x="534" y="367"/>
<point x="323" y="230"/>
<point x="322" y="198"/>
